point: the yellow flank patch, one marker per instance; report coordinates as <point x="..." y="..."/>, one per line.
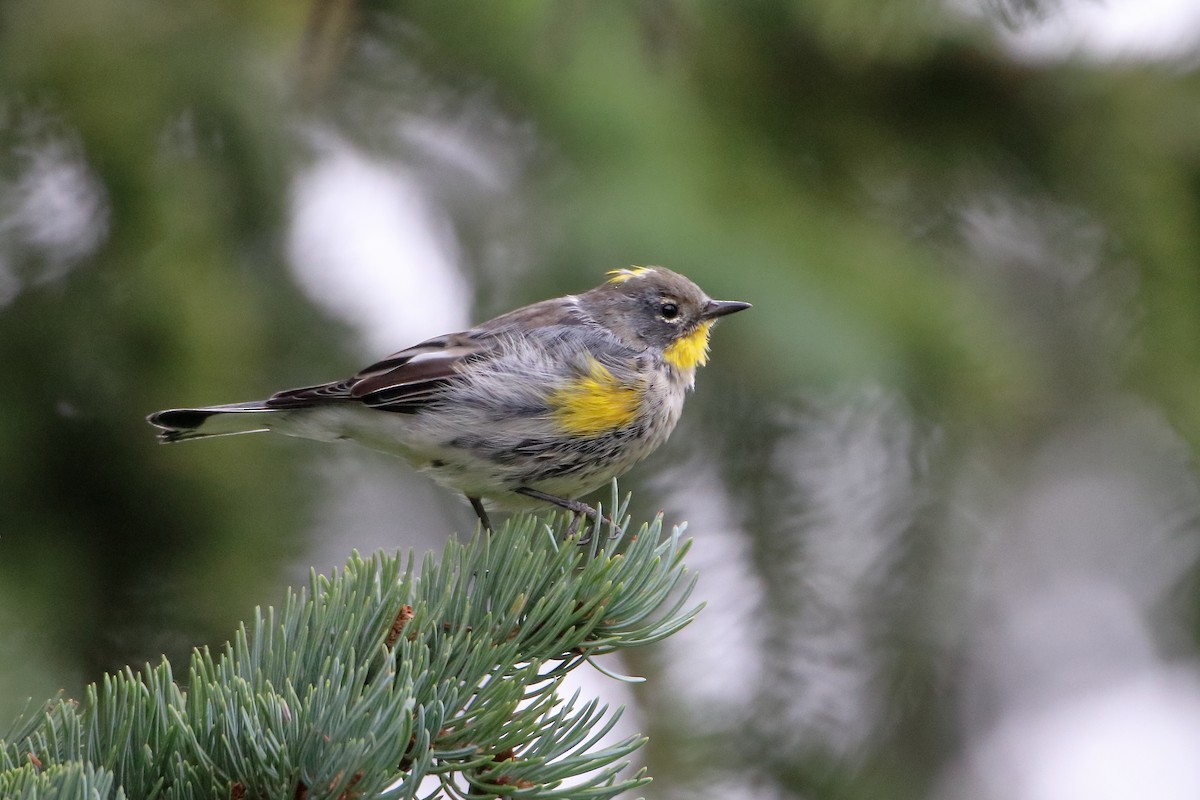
<point x="692" y="350"/>
<point x="622" y="275"/>
<point x="595" y="403"/>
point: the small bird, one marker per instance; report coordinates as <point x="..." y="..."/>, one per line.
<point x="540" y="405"/>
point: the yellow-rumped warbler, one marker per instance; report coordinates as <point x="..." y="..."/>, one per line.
<point x="539" y="405"/>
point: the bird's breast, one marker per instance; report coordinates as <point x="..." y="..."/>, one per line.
<point x="596" y="402"/>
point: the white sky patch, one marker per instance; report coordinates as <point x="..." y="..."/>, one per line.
<point x="854" y="467"/>
<point x="370" y="246"/>
<point x="1134" y="738"/>
<point x="590" y="683"/>
<point x="56" y="209"/>
<point x="1064" y="691"/>
<point x="452" y="145"/>
<point x="1106" y="30"/>
<point x="711" y="668"/>
<point x="64" y="210"/>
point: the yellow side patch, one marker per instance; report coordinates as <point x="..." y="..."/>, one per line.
<point x="691" y="351"/>
<point x="595" y="403"/>
<point x="622" y="275"/>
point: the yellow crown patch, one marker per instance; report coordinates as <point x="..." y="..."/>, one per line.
<point x="622" y="275"/>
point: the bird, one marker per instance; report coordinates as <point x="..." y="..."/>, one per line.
<point x="538" y="406"/>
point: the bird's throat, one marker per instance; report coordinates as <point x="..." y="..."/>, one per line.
<point x="691" y="351"/>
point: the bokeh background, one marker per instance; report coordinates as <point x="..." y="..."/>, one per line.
<point x="941" y="478"/>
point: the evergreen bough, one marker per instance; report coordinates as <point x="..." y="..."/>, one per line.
<point x="383" y="681"/>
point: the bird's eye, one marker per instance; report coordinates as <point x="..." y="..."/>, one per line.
<point x="668" y="311"/>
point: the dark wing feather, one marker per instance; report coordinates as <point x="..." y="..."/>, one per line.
<point x="404" y="381"/>
<point x="307" y="396"/>
<point x="410" y="379"/>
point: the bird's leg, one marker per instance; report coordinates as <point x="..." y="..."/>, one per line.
<point x="576" y="507"/>
<point x="573" y="528"/>
<point x="481" y="512"/>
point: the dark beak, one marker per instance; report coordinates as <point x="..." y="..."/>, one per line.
<point x="719" y="308"/>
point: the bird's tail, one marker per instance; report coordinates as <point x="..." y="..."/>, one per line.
<point x="181" y="424"/>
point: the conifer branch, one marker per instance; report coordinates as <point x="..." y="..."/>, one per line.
<point x="383" y="680"/>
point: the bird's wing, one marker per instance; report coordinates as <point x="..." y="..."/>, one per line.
<point x="410" y="379"/>
<point x="404" y="381"/>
